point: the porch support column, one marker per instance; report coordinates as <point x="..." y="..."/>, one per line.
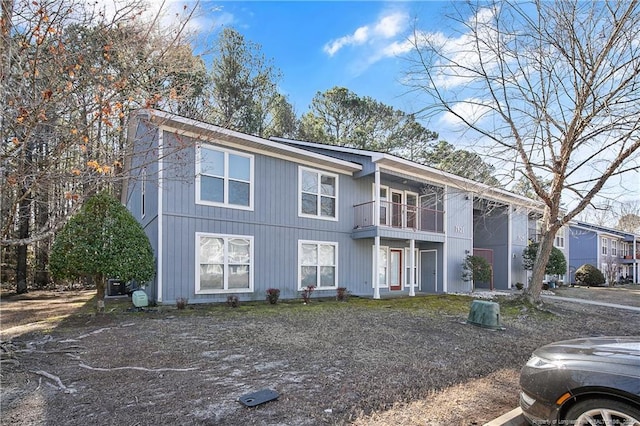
<point x="376" y="224"/>
<point x="511" y="209"/>
<point x="635" y="264"/>
<point x="412" y="265"/>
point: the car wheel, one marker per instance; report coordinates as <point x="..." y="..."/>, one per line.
<point x="603" y="412"/>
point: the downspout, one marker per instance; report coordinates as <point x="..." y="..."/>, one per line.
<point x="160" y="203"/>
<point x="636" y="264"/>
<point x="445" y="256"/>
<point x="376" y="244"/>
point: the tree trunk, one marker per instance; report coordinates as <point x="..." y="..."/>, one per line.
<point x="540" y="265"/>
<point x="41" y="274"/>
<point x="100" y="292"/>
<point x="21" y="251"/>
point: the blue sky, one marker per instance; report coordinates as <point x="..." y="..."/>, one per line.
<point x="319" y="45"/>
<point x="360" y="45"/>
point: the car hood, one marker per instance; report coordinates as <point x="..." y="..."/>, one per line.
<point x="617" y="350"/>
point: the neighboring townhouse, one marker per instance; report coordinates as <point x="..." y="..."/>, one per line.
<point x="562" y="243"/>
<point x="616" y="253"/>
<point x="229" y="213"/>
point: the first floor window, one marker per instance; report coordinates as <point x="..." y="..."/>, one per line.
<point x="407" y="275"/>
<point x="383" y="267"/>
<point x="224" y="263"/>
<point x="317" y="264"/>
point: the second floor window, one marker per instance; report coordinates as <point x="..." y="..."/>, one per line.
<point x="614" y="248"/>
<point x="604" y="246"/>
<point x="318" y="194"/>
<point x="559" y="241"/>
<point x="224" y="178"/>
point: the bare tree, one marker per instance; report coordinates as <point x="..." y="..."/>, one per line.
<point x="70" y="74"/>
<point x="629" y="217"/>
<point x="552" y="88"/>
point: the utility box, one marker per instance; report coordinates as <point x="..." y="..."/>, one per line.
<point x="115" y="288"/>
<point x="484" y="314"/>
<point x="139" y="299"/>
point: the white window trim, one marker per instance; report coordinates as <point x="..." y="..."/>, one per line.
<point x="380" y="265"/>
<point x="406" y="208"/>
<point x="604" y="246"/>
<point x="319" y="215"/>
<point x="318" y="243"/>
<point x="226" y="153"/>
<point x="407" y="264"/>
<point x="614" y="248"/>
<point x="558" y="241"/>
<point x="226" y="237"/>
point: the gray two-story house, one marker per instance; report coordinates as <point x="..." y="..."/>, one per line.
<point x="230" y="213"/>
<point x="614" y="252"/>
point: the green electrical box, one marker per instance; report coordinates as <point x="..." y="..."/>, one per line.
<point x="139" y="299"/>
<point x="484" y="314"/>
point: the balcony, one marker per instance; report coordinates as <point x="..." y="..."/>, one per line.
<point x="400" y="216"/>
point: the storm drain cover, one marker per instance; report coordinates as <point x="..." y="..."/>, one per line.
<point x="259" y="397"/>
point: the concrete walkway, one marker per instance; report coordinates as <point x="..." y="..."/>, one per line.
<point x="591" y="302"/>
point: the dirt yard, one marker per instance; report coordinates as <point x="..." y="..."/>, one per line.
<point x="410" y="361"/>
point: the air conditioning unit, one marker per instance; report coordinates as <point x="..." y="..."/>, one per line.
<point x="116" y="288"/>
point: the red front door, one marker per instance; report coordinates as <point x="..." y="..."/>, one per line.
<point x="395" y="269"/>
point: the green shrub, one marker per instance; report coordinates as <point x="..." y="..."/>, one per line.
<point x="476" y="268"/>
<point x="589" y="275"/>
<point x="557" y="264"/>
<point x="103" y="240"/>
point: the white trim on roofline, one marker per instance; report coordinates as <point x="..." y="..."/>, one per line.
<point x="410" y="168"/>
<point x="603" y="230"/>
<point x="198" y="129"/>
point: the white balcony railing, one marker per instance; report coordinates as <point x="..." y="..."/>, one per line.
<point x="402" y="216"/>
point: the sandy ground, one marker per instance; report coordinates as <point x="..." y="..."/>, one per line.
<point x="390" y="362"/>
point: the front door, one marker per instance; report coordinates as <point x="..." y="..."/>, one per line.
<point x="429" y="271"/>
<point x="395" y="269"/>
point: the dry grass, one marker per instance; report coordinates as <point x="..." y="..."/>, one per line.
<point x="397" y="361"/>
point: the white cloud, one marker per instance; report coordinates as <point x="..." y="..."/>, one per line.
<point x="463" y="51"/>
<point x="359" y="36"/>
<point x="472" y="109"/>
<point x="391" y="25"/>
<point x="375" y="35"/>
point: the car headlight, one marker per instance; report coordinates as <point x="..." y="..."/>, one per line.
<point x="537" y="362"/>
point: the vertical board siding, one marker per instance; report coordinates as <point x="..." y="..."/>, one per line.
<point x="459" y="211"/>
<point x="273" y="223"/>
<point x="491" y="232"/>
<point x="584" y="249"/>
<point x="276" y="227"/>
<point x="519" y="229"/>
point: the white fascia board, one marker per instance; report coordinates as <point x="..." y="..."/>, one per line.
<point x="603" y="230"/>
<point x="444" y="178"/>
<point x="422" y="172"/>
<point x="215" y="134"/>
